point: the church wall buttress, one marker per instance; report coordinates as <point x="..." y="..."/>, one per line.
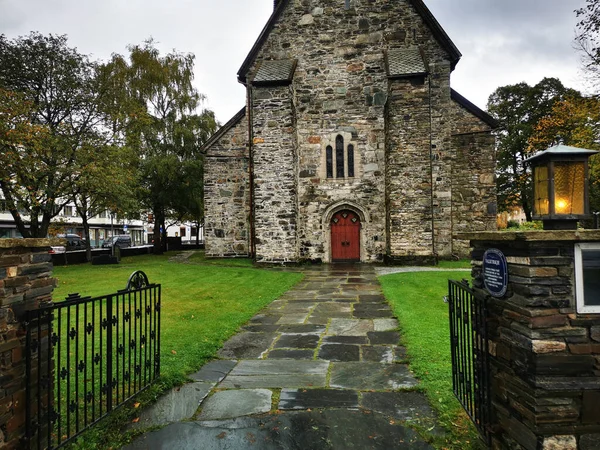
<point x="275" y="175"/>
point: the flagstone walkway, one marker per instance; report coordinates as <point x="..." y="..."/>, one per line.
<point x="320" y="368"/>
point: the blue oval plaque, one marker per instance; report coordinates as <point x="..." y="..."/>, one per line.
<point x="495" y="272"/>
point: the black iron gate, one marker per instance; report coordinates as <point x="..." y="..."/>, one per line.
<point x="87" y="356"/>
<point x="470" y="359"/>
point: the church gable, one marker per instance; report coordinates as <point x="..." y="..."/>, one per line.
<point x="395" y="24"/>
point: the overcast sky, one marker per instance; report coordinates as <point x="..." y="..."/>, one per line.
<point x="502" y="41"/>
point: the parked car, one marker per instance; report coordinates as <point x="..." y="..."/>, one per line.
<point x="120" y="240"/>
<point x="58" y="249"/>
<point x="74" y="242"/>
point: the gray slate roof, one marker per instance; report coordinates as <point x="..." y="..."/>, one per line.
<point x="405" y="62"/>
<point x="275" y="71"/>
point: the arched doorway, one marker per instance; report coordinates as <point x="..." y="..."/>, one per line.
<point x="345" y="236"/>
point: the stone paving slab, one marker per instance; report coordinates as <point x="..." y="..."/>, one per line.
<point x="214" y="371"/>
<point x="383" y="337"/>
<point x="336" y="429"/>
<point x="379" y="353"/>
<point x="293" y="318"/>
<point x="339" y="352"/>
<point x="302" y="329"/>
<point x="276" y="374"/>
<point x="317" y="398"/>
<point x="399" y="405"/>
<point x="247" y="345"/>
<point x="179" y="403"/>
<point x="385" y="324"/>
<point x="369" y="375"/>
<point x="349" y="327"/>
<point x="291" y="354"/>
<point x="297" y="341"/>
<point x="236" y="403"/>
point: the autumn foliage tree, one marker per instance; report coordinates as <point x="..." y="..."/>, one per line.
<point x="574" y="121"/>
<point x="518" y="108"/>
<point x="48" y="117"/>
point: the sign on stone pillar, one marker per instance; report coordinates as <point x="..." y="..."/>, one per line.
<point x="544" y="355"/>
<point x="495" y="272"/>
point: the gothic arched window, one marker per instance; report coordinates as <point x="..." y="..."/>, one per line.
<point x="339" y="157"/>
<point x="329" y="157"/>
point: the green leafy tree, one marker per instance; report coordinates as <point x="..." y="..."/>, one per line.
<point x="49" y="118"/>
<point x="163" y="125"/>
<point x="518" y="108"/>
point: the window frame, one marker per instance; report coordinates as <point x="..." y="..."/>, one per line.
<point x="582" y="308"/>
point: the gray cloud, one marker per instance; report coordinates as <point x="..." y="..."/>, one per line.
<point x="503" y="41"/>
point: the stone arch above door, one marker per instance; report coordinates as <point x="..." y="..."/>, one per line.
<point x="344" y="205"/>
<point x="341" y="205"/>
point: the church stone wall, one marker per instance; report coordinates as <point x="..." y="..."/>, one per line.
<point x="275" y="175"/>
<point x="226" y="194"/>
<point x="341" y="87"/>
<point x="473" y="178"/>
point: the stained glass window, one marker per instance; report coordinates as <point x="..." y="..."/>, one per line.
<point x="329" y="156"/>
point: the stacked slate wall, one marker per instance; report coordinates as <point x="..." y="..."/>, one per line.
<point x="545" y="357"/>
<point x="227" y="193"/>
<point x="275" y="175"/>
<point x="25" y="283"/>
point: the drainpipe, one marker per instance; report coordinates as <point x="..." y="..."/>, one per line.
<point x="251" y="169"/>
<point x="431" y="168"/>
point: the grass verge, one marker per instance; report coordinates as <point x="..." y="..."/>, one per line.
<point x="416" y="299"/>
<point x="202" y="306"/>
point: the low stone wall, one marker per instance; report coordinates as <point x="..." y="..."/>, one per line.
<point x="25" y="282"/>
<point x="545" y="357"/>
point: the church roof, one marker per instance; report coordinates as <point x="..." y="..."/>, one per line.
<point x="275" y="72"/>
<point x="404" y="62"/>
<point x="224" y="129"/>
<point x="474" y="109"/>
<point x="437" y="30"/>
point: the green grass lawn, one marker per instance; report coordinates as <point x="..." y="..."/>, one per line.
<point x="203" y="304"/>
<point x="417" y="301"/>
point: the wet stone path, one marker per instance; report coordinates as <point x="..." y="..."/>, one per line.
<point x="319" y="368"/>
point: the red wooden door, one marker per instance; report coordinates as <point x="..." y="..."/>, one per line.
<point x="345" y="236"/>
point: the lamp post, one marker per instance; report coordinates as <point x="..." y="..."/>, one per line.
<point x="560" y="186"/>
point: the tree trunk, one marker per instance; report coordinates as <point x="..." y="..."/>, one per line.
<point x="526" y="207"/>
<point x="156" y="235"/>
<point x="86" y="233"/>
<point x="163" y="237"/>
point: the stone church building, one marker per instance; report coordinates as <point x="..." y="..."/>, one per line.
<point x="352" y="145"/>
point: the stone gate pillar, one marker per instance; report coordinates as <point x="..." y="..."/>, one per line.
<point x="25" y="282"/>
<point x="545" y="356"/>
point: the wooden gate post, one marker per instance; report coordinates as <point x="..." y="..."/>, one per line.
<point x="544" y="354"/>
<point x="25" y="282"/>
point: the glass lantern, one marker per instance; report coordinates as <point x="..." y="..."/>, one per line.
<point x="560" y="186"/>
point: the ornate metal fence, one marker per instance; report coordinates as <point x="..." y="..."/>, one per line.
<point x="470" y="359"/>
<point x="96" y="353"/>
